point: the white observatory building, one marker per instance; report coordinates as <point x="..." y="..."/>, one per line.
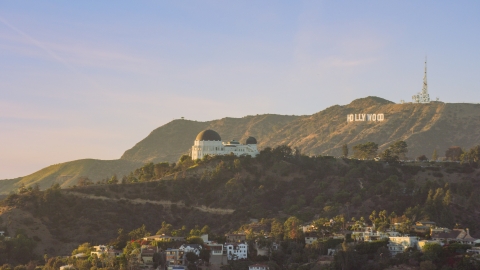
<point x="208" y="142"/>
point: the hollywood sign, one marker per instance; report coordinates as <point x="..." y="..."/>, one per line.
<point x="365" y="117"/>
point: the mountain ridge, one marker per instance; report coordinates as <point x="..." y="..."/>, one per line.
<point x="424" y="127"/>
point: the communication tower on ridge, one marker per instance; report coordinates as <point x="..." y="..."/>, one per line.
<point x="423" y="97"/>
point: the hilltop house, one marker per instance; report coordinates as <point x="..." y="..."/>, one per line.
<point x="174" y="257"/>
<point x="456" y="235"/>
<point x="399" y="244"/>
<point x="195" y="248"/>
<point x="235" y="237"/>
<point x="108" y="251"/>
<point x="236" y="251"/>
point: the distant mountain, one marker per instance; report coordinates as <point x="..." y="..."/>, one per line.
<point x="424" y="127"/>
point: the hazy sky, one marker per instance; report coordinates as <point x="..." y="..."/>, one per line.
<point x="89" y="79"/>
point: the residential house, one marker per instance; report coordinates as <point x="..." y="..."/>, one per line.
<point x="400" y="244"/>
<point x="195" y="248"/>
<point x="371" y="235"/>
<point x="236" y="251"/>
<point x="174" y="257"/>
<point x="146" y="254"/>
<point x="456" y="235"/>
<point x="164" y="238"/>
<point x="217" y="257"/>
<point x="102" y="250"/>
<point x="308" y="228"/>
<point x="265" y="250"/>
<point x="2" y="233"/>
<point x="205" y="238"/>
<point x="258" y="267"/>
<point x="423" y="226"/>
<point x="439" y="230"/>
<point x="236" y="237"/>
<point x="310" y="239"/>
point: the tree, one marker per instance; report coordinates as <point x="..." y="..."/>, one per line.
<point x="205" y="255"/>
<point x="434" y="155"/>
<point x="277" y="229"/>
<point x="84" y="248"/>
<point x="471" y="156"/>
<point x="165" y="229"/>
<point x="422" y="158"/>
<point x="345" y="150"/>
<point x="366" y="150"/>
<point x="389" y="156"/>
<point x="139" y="233"/>
<point x="291" y="228"/>
<point x="399" y="148"/>
<point x="453" y="153"/>
<point x="113" y="180"/>
<point x="205" y="230"/>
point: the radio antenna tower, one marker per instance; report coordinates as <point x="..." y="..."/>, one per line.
<point x="423" y="97"/>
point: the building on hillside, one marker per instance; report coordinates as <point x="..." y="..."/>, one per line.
<point x="236" y="251"/>
<point x="217" y="255"/>
<point x="195" y="248"/>
<point x="208" y="142"/>
<point x="174" y="256"/>
<point x="236" y="237"/>
<point x="456" y="235"/>
<point x="108" y="251"/>
<point x="146" y="254"/>
<point x="439" y="230"/>
<point x="400" y="244"/>
<point x="164" y="238"/>
<point x="258" y="267"/>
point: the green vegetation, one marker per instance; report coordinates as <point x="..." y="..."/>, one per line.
<point x="280" y="186"/>
<point x="366" y="150"/>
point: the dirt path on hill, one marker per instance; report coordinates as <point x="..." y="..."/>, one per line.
<point x="220" y="211"/>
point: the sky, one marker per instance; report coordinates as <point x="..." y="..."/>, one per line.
<point x="90" y="79"/>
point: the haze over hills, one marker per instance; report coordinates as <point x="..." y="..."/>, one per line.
<point x="424" y="127"/>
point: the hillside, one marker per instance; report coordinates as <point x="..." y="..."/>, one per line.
<point x="225" y="192"/>
<point x="170" y="141"/>
<point x="424" y="127"/>
<point x="67" y="174"/>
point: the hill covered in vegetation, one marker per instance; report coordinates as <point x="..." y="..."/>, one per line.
<point x="425" y="127"/>
<point x="225" y="192"/>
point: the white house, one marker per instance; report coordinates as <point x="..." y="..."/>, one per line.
<point x="108" y="251"/>
<point x="258" y="267"/>
<point x="236" y="251"/>
<point x="195" y="248"/>
<point x="310" y="239"/>
<point x="399" y="244"/>
<point x="208" y="142"/>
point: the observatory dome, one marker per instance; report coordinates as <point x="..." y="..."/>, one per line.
<point x="208" y="135"/>
<point x="251" y="140"/>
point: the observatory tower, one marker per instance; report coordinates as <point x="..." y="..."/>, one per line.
<point x="423" y="97"/>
